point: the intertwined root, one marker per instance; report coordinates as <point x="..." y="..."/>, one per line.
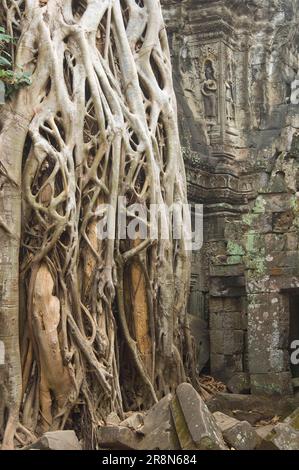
<point x="103" y="320"/>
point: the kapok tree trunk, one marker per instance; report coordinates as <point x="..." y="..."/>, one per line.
<point x="101" y="321"/>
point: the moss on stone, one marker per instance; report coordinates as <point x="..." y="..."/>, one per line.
<point x="235" y="249"/>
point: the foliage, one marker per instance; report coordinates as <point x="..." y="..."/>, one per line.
<point x="12" y="77"/>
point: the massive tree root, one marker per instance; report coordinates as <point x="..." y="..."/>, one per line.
<point x="102" y="321"/>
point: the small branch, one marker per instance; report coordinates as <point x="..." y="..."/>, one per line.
<point x="137" y="249"/>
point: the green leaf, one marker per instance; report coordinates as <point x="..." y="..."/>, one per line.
<point x="7" y="54"/>
<point x="4" y="62"/>
<point x="5" y="38"/>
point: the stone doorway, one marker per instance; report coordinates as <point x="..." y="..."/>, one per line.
<point x="294" y="328"/>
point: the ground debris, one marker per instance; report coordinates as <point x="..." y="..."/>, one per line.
<point x="56" y="440"/>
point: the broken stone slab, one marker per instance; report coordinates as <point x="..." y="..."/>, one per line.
<point x="154" y="431"/>
<point x="135" y="421"/>
<point x="113" y="419"/>
<point x="293" y="420"/>
<point x="224" y="422"/>
<point x="264" y="431"/>
<point x="271" y="383"/>
<point x="195" y="425"/>
<point x="158" y="430"/>
<point x="242" y="436"/>
<point x="252" y="408"/>
<point x="118" y="438"/>
<point x="283" y="437"/>
<point x="57" y="440"/>
<point x="238" y="434"/>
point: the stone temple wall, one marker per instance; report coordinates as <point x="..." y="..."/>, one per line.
<point x="235" y="70"/>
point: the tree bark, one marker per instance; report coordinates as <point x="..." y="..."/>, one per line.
<point x="98" y="122"/>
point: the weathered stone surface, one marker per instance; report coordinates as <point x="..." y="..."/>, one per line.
<point x="293" y="419"/>
<point x="253" y="408"/>
<point x="135" y="421"/>
<point x="113" y="419"/>
<point x="224" y="422"/>
<point x="241" y="436"/>
<point x="195" y="425"/>
<point x="227" y="342"/>
<point x="264" y="431"/>
<point x="158" y="430"/>
<point x="240" y="144"/>
<point x="224" y="366"/>
<point x="239" y="383"/>
<point x="227" y="320"/>
<point x="283" y="437"/>
<point x="282" y="221"/>
<point x="57" y="440"/>
<point x="153" y="431"/>
<point x="237" y="434"/>
<point x="272" y="384"/>
<point x="226" y="304"/>
<point x="118" y="438"/>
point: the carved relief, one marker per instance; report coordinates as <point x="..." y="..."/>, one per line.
<point x="230" y="99"/>
<point x="218" y="90"/>
<point x="209" y="82"/>
<point x="209" y="91"/>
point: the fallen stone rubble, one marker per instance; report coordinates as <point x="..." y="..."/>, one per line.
<point x="57" y="440"/>
<point x="183" y="421"/>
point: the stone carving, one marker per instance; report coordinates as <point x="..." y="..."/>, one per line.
<point x="246" y="175"/>
<point x="209" y="91"/>
<point x="230" y="95"/>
